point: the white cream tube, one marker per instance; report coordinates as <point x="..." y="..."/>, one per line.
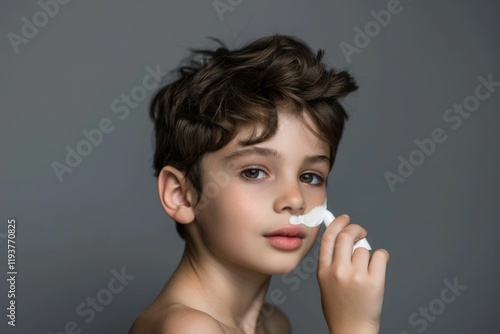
<point x="320" y="215"/>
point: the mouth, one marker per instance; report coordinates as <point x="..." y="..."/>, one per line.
<point x="286" y="238"/>
<point x="288" y="231"/>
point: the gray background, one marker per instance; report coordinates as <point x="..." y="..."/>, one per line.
<point x="440" y="224"/>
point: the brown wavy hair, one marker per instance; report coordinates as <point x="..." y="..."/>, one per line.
<point x="219" y="91"/>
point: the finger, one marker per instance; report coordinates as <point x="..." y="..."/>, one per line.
<point x="328" y="239"/>
<point x="361" y="259"/>
<point x="342" y="251"/>
<point x="378" y="264"/>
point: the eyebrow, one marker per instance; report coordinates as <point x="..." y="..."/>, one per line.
<point x="272" y="153"/>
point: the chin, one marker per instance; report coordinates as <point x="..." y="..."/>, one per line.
<point x="283" y="271"/>
<point x="283" y="267"/>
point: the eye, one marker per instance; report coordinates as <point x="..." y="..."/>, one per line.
<point x="252" y="173"/>
<point x="307" y="177"/>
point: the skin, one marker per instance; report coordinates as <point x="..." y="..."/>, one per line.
<point x="223" y="276"/>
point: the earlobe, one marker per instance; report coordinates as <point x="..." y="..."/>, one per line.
<point x="175" y="195"/>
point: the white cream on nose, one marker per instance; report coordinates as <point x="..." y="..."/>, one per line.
<point x="320" y="215"/>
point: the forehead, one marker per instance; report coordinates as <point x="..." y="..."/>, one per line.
<point x="292" y="138"/>
<point x="290" y="126"/>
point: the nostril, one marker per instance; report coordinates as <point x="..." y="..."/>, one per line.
<point x="291" y="201"/>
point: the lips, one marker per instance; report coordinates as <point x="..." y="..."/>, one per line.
<point x="288" y="231"/>
<point x="286" y="238"/>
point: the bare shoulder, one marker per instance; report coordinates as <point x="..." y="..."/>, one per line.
<point x="275" y="321"/>
<point x="175" y="319"/>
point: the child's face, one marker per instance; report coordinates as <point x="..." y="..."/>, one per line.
<point x="252" y="196"/>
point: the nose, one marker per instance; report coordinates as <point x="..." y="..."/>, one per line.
<point x="291" y="198"/>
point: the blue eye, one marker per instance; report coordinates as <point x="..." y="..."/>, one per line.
<point x="311" y="176"/>
<point x="253" y="173"/>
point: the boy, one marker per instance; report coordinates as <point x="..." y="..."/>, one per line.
<point x="245" y="139"/>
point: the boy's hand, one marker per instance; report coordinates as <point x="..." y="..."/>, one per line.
<point x="352" y="284"/>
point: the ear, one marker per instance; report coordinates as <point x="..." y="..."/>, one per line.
<point x="175" y="195"/>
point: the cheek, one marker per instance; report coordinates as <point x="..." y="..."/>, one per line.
<point x="242" y="207"/>
<point x="314" y="237"/>
<point x="227" y="219"/>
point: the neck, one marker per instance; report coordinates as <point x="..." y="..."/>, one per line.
<point x="232" y="294"/>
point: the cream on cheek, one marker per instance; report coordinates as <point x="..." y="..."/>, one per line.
<point x="319" y="215"/>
